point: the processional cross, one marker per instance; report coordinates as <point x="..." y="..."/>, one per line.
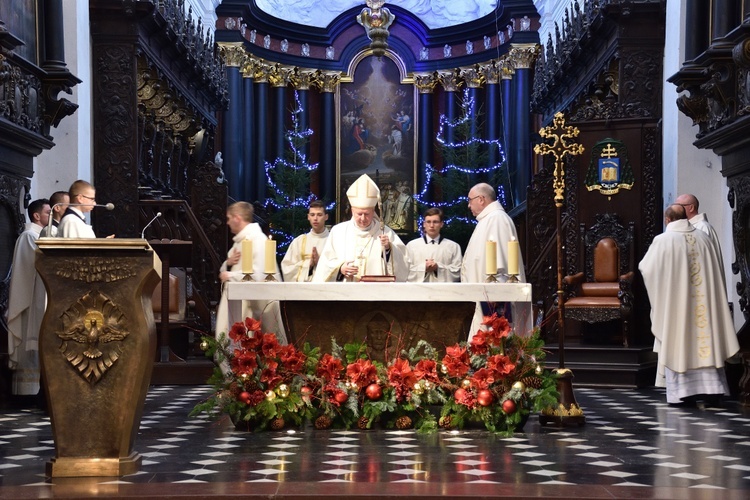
<point x="563" y="145"/>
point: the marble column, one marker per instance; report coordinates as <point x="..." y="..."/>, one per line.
<point x="231" y="144"/>
<point x="425" y="83"/>
<point x="302" y="80"/>
<point x="248" y="129"/>
<point x="328" y="83"/>
<point x="261" y="132"/>
<point x="450" y="82"/>
<point x="279" y="80"/>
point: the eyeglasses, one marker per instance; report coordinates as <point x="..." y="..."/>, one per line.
<point x="88" y="197"/>
<point x="474" y="198"/>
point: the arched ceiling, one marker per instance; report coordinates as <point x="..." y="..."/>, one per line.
<point x="433" y="13"/>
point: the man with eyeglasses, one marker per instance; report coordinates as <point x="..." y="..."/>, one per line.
<point x="433" y="258"/>
<point x="82" y="200"/>
<point x="493" y="224"/>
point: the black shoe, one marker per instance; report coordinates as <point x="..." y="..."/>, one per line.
<point x="688" y="402"/>
<point x="713" y="401"/>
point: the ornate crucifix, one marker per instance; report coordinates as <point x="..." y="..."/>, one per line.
<point x="563" y="145"/>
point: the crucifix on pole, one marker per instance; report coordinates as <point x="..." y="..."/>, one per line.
<point x="568" y="412"/>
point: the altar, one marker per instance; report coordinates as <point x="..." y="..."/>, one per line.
<point x="387" y="317"/>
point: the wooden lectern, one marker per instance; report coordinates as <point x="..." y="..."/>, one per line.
<point x="96" y="346"/>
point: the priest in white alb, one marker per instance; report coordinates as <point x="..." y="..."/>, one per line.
<point x="493" y="225"/>
<point x="363" y="245"/>
<point x="690" y="318"/>
<point x="301" y="258"/>
<point x="26" y="304"/>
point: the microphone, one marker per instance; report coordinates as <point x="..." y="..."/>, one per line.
<point x="143" y="233"/>
<point x="108" y="206"/>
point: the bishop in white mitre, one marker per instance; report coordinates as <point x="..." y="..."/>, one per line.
<point x="363" y="245"/>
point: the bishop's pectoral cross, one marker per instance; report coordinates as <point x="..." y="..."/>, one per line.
<point x="559" y="148"/>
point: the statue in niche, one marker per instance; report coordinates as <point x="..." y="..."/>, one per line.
<point x="330" y="53"/>
<point x="253" y="34"/>
<point x="424" y="54"/>
<point x="487" y="43"/>
<point x="284" y="45"/>
<point x="510" y="29"/>
<point x="267" y="42"/>
<point x="469" y="47"/>
<point x="526" y="23"/>
<point x="447" y="51"/>
<point x="500" y="37"/>
<point x="305" y="50"/>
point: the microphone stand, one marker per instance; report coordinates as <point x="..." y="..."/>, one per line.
<point x="108" y="206"/>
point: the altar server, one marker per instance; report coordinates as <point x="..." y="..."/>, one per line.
<point x="303" y="253"/>
<point x="239" y="221"/>
<point x="26" y="304"/>
<point x="362" y="246"/>
<point x="690" y="318"/>
<point x="433" y="258"/>
<point x="73" y="224"/>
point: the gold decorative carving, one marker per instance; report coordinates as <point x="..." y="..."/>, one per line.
<point x="425" y="82"/>
<point x="490" y="72"/>
<point x="91" y="328"/>
<point x="561" y="411"/>
<point x="329" y="81"/>
<point x="279" y="75"/>
<point x="304" y="79"/>
<point x="262" y="72"/>
<point x="95" y="269"/>
<point x="507" y="70"/>
<point x="249" y="65"/>
<point x="233" y="53"/>
<point x="523" y="55"/>
<point x="449" y="80"/>
<point x="472" y="76"/>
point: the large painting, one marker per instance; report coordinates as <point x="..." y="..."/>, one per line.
<point x="376" y="137"/>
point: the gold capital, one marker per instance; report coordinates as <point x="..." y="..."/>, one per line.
<point x="425" y="82"/>
<point x="472" y="76"/>
<point x="449" y="80"/>
<point x="279" y="75"/>
<point x="329" y="81"/>
<point x="490" y="72"/>
<point x="523" y="55"/>
<point x="262" y="70"/>
<point x="233" y="53"/>
<point x="303" y="79"/>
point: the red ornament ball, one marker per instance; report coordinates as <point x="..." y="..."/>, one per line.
<point x="509" y="406"/>
<point x="484" y="397"/>
<point x="341" y="397"/>
<point x="306" y="390"/>
<point x="244" y="397"/>
<point x="374" y="392"/>
<point x="459" y="395"/>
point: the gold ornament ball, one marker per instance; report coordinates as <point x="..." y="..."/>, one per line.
<point x="427" y="385"/>
<point x="283" y="390"/>
<point x="270" y="395"/>
<point x="520" y="386"/>
<point x="466" y="383"/>
<point x="244" y="377"/>
<point x="418" y="390"/>
<point x="204" y="345"/>
<point x="443" y="368"/>
<point x="539" y="369"/>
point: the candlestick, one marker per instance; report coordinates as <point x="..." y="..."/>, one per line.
<point x="490" y="258"/>
<point x="270" y="262"/>
<point x="247" y="256"/>
<point x="513" y="251"/>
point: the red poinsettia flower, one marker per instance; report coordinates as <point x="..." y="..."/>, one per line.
<point x="456" y="361"/>
<point x="402" y="378"/>
<point x="501" y="364"/>
<point x="252" y="325"/>
<point x="499" y="328"/>
<point x="244" y="362"/>
<point x="291" y="359"/>
<point x="329" y="368"/>
<point x="478" y="342"/>
<point x="269" y="375"/>
<point x="426" y="369"/>
<point x="270" y="345"/>
<point x="256" y="397"/>
<point x="362" y="372"/>
<point x="483" y="378"/>
<point x="466" y="398"/>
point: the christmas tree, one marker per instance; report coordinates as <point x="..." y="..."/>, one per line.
<point x="465" y="162"/>
<point x="289" y="180"/>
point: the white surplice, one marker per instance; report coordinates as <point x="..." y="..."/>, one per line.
<point x="493" y="224"/>
<point x="446" y="254"/>
<point x="73" y="225"/>
<point x="348" y="243"/>
<point x="690" y="318"/>
<point x="295" y="266"/>
<point x="267" y="312"/>
<point x="26" y="305"/>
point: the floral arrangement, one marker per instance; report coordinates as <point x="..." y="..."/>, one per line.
<point x="496" y="379"/>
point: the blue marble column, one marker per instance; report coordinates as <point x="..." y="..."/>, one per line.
<point x="248" y="132"/>
<point x="425" y="84"/>
<point x="261" y="134"/>
<point x="327" y="168"/>
<point x="231" y="144"/>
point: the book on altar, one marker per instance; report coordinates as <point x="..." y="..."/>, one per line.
<point x="371" y="278"/>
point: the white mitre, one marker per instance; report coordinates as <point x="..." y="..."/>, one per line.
<point x="364" y="193"/>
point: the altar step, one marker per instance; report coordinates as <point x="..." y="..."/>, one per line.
<point x="188" y="372"/>
<point x="606" y="366"/>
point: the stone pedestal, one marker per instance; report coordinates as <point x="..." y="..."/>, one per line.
<point x="96" y="347"/>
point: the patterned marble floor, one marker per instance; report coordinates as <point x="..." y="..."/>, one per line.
<point x="633" y="446"/>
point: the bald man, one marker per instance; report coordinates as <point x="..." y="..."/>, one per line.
<point x="700" y="220"/>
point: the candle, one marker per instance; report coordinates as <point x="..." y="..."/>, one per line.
<point x="490" y="257"/>
<point x="247" y="256"/>
<point x="270" y="264"/>
<point x="513" y="251"/>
